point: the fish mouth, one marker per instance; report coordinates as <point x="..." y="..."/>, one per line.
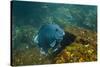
<point x="60" y="37"/>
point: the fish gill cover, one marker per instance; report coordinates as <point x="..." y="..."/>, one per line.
<point x="77" y="22"/>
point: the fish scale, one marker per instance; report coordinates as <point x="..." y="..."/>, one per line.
<point x="49" y="37"/>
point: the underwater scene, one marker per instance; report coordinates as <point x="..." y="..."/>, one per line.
<point x="52" y="33"/>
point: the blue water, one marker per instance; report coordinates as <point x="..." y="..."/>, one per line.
<point x="28" y="17"/>
<point x="36" y="13"/>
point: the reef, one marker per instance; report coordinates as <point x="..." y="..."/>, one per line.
<point x="83" y="49"/>
<point x="80" y="46"/>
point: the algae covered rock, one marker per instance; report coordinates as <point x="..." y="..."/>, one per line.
<point x="84" y="48"/>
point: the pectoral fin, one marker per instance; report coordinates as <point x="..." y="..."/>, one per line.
<point x="36" y="39"/>
<point x="53" y="43"/>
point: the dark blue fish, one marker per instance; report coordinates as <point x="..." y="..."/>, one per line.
<point x="49" y="37"/>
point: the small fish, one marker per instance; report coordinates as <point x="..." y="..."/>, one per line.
<point x="49" y="37"/>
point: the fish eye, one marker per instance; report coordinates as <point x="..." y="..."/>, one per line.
<point x="56" y="29"/>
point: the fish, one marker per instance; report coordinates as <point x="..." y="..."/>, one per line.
<point x="49" y="37"/>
